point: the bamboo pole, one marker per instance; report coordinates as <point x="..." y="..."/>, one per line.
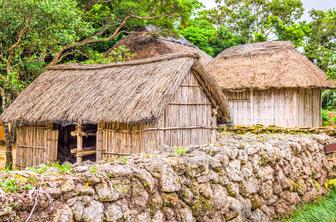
<point x="79" y="134"/>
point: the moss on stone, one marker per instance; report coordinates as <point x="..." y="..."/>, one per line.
<point x="201" y="207"/>
<point x="171" y="200"/>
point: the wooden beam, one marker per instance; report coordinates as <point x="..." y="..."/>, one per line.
<point x="86" y="153"/>
<point x="191" y="104"/>
<point x="90" y="148"/>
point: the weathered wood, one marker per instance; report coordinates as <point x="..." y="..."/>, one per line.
<point x="281" y="107"/>
<point x="181" y="128"/>
<point x="330" y="148"/>
<point x="191" y="104"/>
<point x="85" y="153"/>
<point x="36" y="145"/>
<point x="99" y="143"/>
<point x="79" y="133"/>
<point x="89" y="148"/>
<point x="30" y="147"/>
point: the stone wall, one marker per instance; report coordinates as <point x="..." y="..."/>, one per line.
<point x="242" y="178"/>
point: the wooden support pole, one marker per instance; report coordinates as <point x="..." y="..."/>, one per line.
<point x="79" y="133"/>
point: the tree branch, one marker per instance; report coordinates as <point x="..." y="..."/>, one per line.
<point x="22" y="32"/>
<point x="72" y="52"/>
<point x="59" y="55"/>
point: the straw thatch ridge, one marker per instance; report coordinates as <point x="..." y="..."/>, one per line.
<point x="147" y="45"/>
<point x="266" y="65"/>
<point x="128" y="92"/>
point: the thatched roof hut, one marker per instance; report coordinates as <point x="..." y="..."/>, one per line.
<point x="121" y="108"/>
<point x="266" y="65"/>
<point x="148" y="44"/>
<point x="270" y="83"/>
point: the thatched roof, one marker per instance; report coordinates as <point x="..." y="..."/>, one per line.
<point x="266" y="65"/>
<point x="124" y="92"/>
<point x="147" y="45"/>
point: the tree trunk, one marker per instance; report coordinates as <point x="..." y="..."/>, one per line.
<point x="9" y="134"/>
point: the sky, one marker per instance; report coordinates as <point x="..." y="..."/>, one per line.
<point x="307" y="4"/>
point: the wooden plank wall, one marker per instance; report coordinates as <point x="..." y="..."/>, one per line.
<point x="240" y="107"/>
<point x="116" y="138"/>
<point x="35" y="145"/>
<point x="188" y="120"/>
<point x="274" y="107"/>
<point x="281" y="107"/>
<point x="309" y="108"/>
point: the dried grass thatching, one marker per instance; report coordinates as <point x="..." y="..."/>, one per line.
<point x="147" y="45"/>
<point x="125" y="92"/>
<point x="266" y="65"/>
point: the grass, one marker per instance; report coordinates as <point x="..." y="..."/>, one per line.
<point x="321" y="210"/>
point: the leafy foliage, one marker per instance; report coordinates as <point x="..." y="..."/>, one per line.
<point x="321" y="41"/>
<point x="255" y="21"/>
<point x="181" y="151"/>
<point x="64" y="168"/>
<point x="118" y="54"/>
<point x="30" y="31"/>
<point x="329" y="99"/>
<point x="328" y="117"/>
<point x="201" y="32"/>
<point x="11" y="183"/>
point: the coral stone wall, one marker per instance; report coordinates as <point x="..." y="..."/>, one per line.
<point x="242" y="177"/>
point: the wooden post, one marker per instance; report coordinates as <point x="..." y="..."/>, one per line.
<point x="79" y="134"/>
<point x="81" y="151"/>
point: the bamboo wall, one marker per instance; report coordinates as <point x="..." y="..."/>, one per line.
<point x="285" y="107"/>
<point x="35" y="145"/>
<point x="189" y="119"/>
<point x="115" y="138"/>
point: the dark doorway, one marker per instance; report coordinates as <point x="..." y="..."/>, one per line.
<point x="90" y="140"/>
<point x="68" y="142"/>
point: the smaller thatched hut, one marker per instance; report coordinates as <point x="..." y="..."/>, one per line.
<point x="148" y="44"/>
<point x="75" y="112"/>
<point x="270" y="83"/>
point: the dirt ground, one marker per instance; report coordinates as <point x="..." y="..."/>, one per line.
<point x="3" y="156"/>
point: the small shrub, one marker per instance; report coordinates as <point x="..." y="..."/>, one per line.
<point x="64" y="168"/>
<point x="181" y="150"/>
<point x="9" y="185"/>
<point x="328" y="117"/>
<point x="330" y="184"/>
<point x="93" y="170"/>
<point x="122" y="159"/>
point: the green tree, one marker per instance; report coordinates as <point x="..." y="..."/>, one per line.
<point x="30" y="31"/>
<point x="256" y="20"/>
<point x="321" y="40"/>
<point x="235" y="22"/>
<point x="211" y="39"/>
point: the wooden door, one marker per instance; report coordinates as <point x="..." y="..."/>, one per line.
<point x="35" y="145"/>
